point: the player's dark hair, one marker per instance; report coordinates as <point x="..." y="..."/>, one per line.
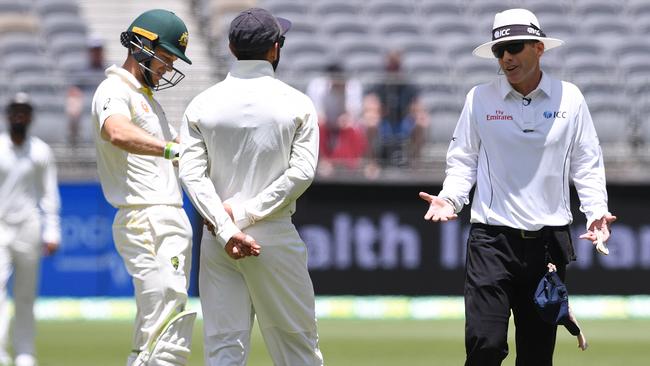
<point x="251" y="55"/>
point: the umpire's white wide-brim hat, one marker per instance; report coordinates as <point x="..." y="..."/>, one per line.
<point x="515" y="24"/>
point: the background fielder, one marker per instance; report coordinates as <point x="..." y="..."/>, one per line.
<point x="29" y="220"/>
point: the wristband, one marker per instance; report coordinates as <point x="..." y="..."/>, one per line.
<point x="172" y="150"/>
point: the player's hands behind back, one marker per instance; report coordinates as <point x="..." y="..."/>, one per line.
<point x="242" y="245"/>
<point x="439" y="209"/>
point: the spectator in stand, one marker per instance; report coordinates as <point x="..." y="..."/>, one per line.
<point x="83" y="84"/>
<point x="395" y="118"/>
<point x="338" y="101"/>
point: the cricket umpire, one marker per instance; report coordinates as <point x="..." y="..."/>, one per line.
<point x="29" y="224"/>
<point x="520" y="139"/>
<point x="135" y="147"/>
<point x="250" y="150"/>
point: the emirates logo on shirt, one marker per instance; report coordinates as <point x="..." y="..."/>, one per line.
<point x="144" y="106"/>
<point x="498" y="115"/>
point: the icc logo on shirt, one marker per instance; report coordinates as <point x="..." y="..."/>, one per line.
<point x="556" y="114"/>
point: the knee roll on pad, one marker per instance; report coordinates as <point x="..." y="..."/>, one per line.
<point x="172" y="347"/>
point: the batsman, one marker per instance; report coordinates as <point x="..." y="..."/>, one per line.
<point x="136" y="147"/>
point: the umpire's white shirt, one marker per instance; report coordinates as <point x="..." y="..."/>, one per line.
<point x="521" y="153"/>
<point x="132" y="179"/>
<point x="28" y="186"/>
<point x="262" y="139"/>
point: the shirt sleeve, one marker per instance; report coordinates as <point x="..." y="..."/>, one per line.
<point x="109" y="101"/>
<point x="462" y="158"/>
<point x="193" y="172"/>
<point x="292" y="183"/>
<point x="50" y="202"/>
<point x="587" y="168"/>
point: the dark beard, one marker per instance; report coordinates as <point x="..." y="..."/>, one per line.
<point x="18" y="129"/>
<point x="276" y="62"/>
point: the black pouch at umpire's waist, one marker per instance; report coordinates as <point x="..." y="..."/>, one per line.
<point x="565" y="244"/>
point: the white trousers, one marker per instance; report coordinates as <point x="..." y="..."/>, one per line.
<point x="20" y="254"/>
<point x="155" y="243"/>
<point x="275" y="287"/>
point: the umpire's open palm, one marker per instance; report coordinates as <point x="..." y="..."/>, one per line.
<point x="439" y="209"/>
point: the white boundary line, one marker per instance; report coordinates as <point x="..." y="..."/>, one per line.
<point x="349" y="307"/>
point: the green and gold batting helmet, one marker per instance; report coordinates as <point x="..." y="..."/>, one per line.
<point x="160" y="27"/>
<point x="157" y="28"/>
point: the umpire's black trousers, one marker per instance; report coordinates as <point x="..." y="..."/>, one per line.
<point x="504" y="266"/>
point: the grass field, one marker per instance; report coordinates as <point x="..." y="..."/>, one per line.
<point x="354" y="342"/>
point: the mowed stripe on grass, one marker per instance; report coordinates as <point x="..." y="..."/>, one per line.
<point x="354" y="342"/>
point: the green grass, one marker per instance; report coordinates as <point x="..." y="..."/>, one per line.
<point x="354" y="342"/>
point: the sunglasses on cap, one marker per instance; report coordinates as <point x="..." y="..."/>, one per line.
<point x="513" y="48"/>
<point x="281" y="41"/>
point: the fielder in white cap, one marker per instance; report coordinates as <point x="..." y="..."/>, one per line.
<point x="520" y="139"/>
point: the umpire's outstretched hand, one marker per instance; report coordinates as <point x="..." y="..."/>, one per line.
<point x="242" y="245"/>
<point x="439" y="209"/>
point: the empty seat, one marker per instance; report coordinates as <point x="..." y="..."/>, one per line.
<point x="341" y="26"/>
<point x="604" y="25"/>
<point x="26" y="63"/>
<point x="473" y="70"/>
<point x="68" y="43"/>
<point x="305" y="45"/>
<point x="56" y="24"/>
<point x="307" y="65"/>
<point x="546" y="10"/>
<point x="425" y="65"/>
<point x="288" y="8"/>
<point x="444" y="114"/>
<point x="587" y="8"/>
<point x="21" y="43"/>
<point x="450" y="27"/>
<point x="450" y="9"/>
<point x="487" y="8"/>
<point x="396" y="26"/>
<point x="632" y="47"/>
<point x="13" y="6"/>
<point x="304" y="25"/>
<point x="379" y="8"/>
<point x="586" y="66"/>
<point x="49" y="125"/>
<point x="459" y="46"/>
<point x="610" y="116"/>
<point x="39" y="84"/>
<point x="351" y="46"/>
<point x="561" y="28"/>
<point x="635" y="70"/>
<point x="601" y="89"/>
<point x="48" y="7"/>
<point x="414" y="46"/>
<point x="583" y="46"/>
<point x="71" y="62"/>
<point x="364" y="65"/>
<point x="638" y="9"/>
<point x="336" y="8"/>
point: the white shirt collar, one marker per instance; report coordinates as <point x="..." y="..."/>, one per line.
<point x="506" y="89"/>
<point x="124" y="75"/>
<point x="248" y="69"/>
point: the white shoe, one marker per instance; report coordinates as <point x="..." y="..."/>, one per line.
<point x="25" y="360"/>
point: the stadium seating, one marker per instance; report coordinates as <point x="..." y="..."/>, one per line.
<point x="606" y="50"/>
